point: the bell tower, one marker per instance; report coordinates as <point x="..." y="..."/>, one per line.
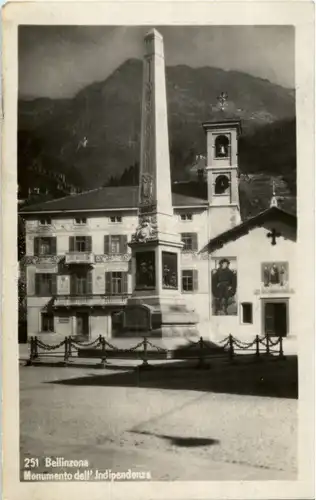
<point x="222" y="136"/>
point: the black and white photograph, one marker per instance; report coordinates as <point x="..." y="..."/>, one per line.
<point x="159" y="320"/>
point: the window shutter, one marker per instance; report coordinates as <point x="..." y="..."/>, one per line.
<point x="36" y="246"/>
<point x="71" y="243"/>
<point x="182" y="280"/>
<point x="54" y="284"/>
<point x="194" y="242"/>
<point x="89" y="282"/>
<point x="108" y="283"/>
<point x="106" y="244"/>
<point x="195" y="280"/>
<point x="89" y="243"/>
<point x="125" y="282"/>
<point x="123" y="243"/>
<point x="37" y="284"/>
<point x="53" y="246"/>
<point x="73" y="284"/>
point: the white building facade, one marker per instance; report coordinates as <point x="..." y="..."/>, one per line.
<point x="238" y="276"/>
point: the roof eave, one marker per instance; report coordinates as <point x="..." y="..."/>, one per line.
<point x="242" y="229"/>
<point x="80" y="210"/>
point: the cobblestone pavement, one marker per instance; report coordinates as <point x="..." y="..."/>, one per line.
<point x="108" y="419"/>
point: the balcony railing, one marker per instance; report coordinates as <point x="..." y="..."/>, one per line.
<point x="79" y="258"/>
<point x="90" y="300"/>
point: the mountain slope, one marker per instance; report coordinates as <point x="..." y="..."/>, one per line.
<point x="107" y="114"/>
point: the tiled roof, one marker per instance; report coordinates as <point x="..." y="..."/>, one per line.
<point x="273" y="213"/>
<point x="105" y="198"/>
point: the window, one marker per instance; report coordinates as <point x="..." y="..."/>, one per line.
<point x="80" y="244"/>
<point x="81" y="283"/>
<point x="246" y="311"/>
<point x="45" y="284"/>
<point x="115" y="244"/>
<point x="47" y="322"/>
<point x="116" y="219"/>
<point x="190" y="241"/>
<point x="45" y="246"/>
<point x="189" y="280"/>
<point x="80" y="220"/>
<point x="45" y="221"/>
<point x="186" y="216"/>
<point x="116" y="283"/>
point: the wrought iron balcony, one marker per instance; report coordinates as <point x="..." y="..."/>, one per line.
<point x="79" y="258"/>
<point x="90" y="300"/>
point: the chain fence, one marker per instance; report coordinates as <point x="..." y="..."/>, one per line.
<point x="102" y="349"/>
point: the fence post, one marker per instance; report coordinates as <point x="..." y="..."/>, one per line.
<point x="66" y="352"/>
<point x="267" y="344"/>
<point x="257" y="346"/>
<point x="231" y="347"/>
<point x="281" y="352"/>
<point x="31" y="358"/>
<point x="103" y="353"/>
<point x="145" y="358"/>
<point x="69" y="348"/>
<point x="35" y="348"/>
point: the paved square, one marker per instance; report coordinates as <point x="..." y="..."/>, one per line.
<point x="119" y="419"/>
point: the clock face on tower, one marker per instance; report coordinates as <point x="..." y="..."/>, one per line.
<point x="222" y="183"/>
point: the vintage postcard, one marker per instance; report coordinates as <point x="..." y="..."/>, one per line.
<point x="158" y="250"/>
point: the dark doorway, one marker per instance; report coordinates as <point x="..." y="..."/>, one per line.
<point x="276" y="318"/>
<point x="82" y="320"/>
<point x="117" y="323"/>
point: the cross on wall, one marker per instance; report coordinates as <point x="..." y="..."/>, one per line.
<point x="273" y="234"/>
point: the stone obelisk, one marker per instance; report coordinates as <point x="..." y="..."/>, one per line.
<point x="156" y="245"/>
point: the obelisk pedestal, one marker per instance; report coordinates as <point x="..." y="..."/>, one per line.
<point x="156" y="305"/>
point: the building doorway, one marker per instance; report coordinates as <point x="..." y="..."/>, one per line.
<point x="275" y="317"/>
<point x="82" y="324"/>
<point x="117" y="323"/>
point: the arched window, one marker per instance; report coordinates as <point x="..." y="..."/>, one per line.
<point x="221" y="184"/>
<point x="221" y="146"/>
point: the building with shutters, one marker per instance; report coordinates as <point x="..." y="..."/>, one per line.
<point x="239" y="276"/>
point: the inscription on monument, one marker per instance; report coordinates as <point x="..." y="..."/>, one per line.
<point x="137" y="318"/>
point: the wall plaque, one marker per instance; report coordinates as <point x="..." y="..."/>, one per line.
<point x="274" y="277"/>
<point x="46" y="268"/>
<point x="137" y="318"/>
<point x="63" y="319"/>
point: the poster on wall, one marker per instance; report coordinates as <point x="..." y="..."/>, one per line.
<point x="224" y="286"/>
<point x="274" y="276"/>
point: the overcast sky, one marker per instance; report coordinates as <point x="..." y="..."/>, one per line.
<point x="57" y="61"/>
